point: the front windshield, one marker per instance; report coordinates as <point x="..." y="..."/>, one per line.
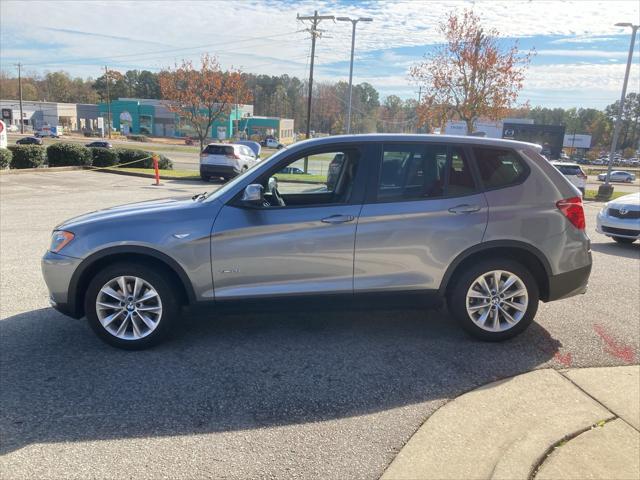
<point x="231" y="184"/>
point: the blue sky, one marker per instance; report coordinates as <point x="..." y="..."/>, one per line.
<point x="580" y="58"/>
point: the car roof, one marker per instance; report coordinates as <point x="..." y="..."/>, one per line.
<point x="427" y="138"/>
<point x="565" y="164"/>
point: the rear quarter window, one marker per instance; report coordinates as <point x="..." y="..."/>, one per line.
<point x="569" y="169"/>
<point x="218" y="150"/>
<point x="500" y="167"/>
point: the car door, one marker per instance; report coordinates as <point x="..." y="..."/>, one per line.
<point x="304" y="247"/>
<point x="423" y="209"/>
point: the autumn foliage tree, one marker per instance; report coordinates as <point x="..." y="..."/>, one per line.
<point x="471" y="75"/>
<point x="202" y="96"/>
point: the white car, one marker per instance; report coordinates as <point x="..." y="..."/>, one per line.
<point x="620" y="219"/>
<point x="225" y="160"/>
<point x="574" y="173"/>
<point x="273" y="143"/>
<point x="618" y="176"/>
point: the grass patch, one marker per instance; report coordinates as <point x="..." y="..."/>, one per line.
<point x="591" y="195"/>
<point x="300" y="178"/>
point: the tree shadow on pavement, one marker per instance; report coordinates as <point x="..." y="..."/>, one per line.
<point x="234" y="371"/>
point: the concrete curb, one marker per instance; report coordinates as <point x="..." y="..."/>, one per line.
<point x="508" y="429"/>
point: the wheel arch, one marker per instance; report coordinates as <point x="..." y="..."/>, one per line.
<point x="528" y="255"/>
<point x="95" y="262"/>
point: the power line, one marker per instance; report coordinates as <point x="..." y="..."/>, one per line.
<point x="165" y="51"/>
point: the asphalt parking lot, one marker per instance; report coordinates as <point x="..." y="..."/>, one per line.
<point x="295" y="394"/>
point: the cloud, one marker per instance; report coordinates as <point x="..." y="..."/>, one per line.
<point x="582" y="53"/>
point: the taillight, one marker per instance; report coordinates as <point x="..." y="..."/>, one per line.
<point x="573" y="210"/>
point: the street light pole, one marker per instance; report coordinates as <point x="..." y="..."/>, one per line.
<point x="353" y="44"/>
<point x="606" y="190"/>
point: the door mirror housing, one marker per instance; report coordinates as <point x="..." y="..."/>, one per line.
<point x="253" y="194"/>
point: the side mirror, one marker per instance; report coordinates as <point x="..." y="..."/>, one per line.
<point x="272" y="184"/>
<point x="253" y="194"/>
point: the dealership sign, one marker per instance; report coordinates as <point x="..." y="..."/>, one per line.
<point x="577" y="141"/>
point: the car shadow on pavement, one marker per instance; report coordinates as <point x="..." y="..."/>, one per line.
<point x="627" y="250"/>
<point x="233" y="371"/>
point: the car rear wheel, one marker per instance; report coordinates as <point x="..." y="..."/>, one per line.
<point x="624" y="240"/>
<point x="131" y="306"/>
<point x="494" y="300"/>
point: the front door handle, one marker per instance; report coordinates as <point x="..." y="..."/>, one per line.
<point x="338" y="219"/>
<point x="466" y="208"/>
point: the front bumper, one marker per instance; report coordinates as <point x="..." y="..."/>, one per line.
<point x="617" y="227"/>
<point x="57" y="271"/>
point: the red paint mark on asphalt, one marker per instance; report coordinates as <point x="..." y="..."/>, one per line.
<point x="551" y="346"/>
<point x="565" y="359"/>
<point x="613" y="347"/>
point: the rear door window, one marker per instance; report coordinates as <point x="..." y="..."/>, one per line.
<point x="499" y="167"/>
<point x="419" y="171"/>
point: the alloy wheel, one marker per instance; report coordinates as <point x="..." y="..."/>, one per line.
<point x="497" y="300"/>
<point x="129" y="307"/>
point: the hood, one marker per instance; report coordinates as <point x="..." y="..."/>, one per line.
<point x="128" y="210"/>
<point x="631" y="199"/>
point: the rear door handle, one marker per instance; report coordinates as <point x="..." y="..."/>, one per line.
<point x="338" y="219"/>
<point x="466" y="208"/>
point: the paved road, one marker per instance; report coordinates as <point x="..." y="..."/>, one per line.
<point x="322" y="394"/>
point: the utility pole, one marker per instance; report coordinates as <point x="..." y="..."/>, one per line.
<point x="20" y="95"/>
<point x="315" y="33"/>
<point x="313" y="30"/>
<point x="106" y="75"/>
<point x="354" y="22"/>
<point x="606" y="190"/>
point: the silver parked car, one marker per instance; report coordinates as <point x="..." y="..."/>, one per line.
<point x="226" y="160"/>
<point x="486" y="225"/>
<point x="620" y="219"/>
<point x="618" y="176"/>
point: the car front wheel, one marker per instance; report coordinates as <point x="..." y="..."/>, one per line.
<point x="494" y="300"/>
<point x="131" y="306"/>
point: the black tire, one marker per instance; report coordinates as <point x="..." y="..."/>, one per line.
<point x="624" y="240"/>
<point x="628" y="180"/>
<point x="462" y="282"/>
<point x="163" y="286"/>
<point x="205" y="178"/>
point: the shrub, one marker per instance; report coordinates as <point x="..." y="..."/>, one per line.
<point x="126" y="155"/>
<point x="68" y="154"/>
<point x="103" y="157"/>
<point x="27" y="156"/>
<point x="138" y="138"/>
<point x="5" y="158"/>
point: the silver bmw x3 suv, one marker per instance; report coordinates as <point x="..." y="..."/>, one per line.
<point x="489" y="226"/>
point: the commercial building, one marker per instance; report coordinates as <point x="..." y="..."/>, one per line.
<point x="153" y="117"/>
<point x="551" y="137"/>
<point x="36" y="115"/>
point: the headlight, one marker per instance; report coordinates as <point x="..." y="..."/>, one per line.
<point x="59" y="239"/>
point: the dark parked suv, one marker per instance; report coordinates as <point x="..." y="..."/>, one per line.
<point x="489" y="226"/>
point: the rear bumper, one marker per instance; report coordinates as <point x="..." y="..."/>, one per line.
<point x="219" y="170"/>
<point x="568" y="284"/>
